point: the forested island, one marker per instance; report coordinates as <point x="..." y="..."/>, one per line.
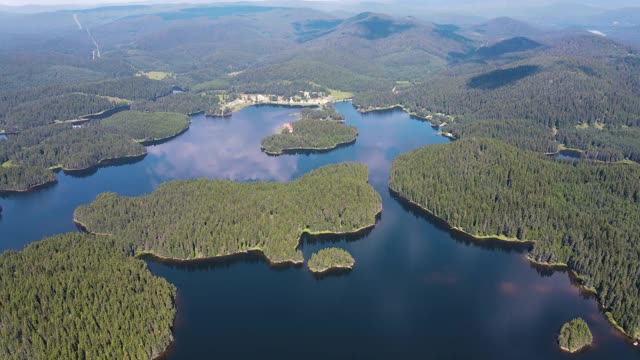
<point x="575" y="336"/>
<point x="194" y="219"/>
<point x="330" y="259"/>
<point x="28" y="157"/>
<point x="317" y="129"/>
<point x="75" y="296"/>
<point x="486" y="188"/>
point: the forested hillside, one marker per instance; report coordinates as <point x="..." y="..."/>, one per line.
<point x="184" y="103"/>
<point x="75" y="296"/>
<point x="486" y="188"/>
<point x="206" y="218"/>
<point x="30" y="107"/>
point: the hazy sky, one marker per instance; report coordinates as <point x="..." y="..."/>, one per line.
<point x="436" y="4"/>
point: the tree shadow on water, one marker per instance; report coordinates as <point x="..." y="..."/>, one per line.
<point x="459" y="236"/>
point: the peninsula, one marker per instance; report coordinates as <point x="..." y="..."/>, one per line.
<point x="196" y="219"/>
<point x="28" y="157"/>
<point x="486" y="188"/>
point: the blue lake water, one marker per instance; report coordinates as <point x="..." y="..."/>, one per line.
<point x="416" y="291"/>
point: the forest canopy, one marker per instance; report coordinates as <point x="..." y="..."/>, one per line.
<point x="75" y="296"/>
<point x="190" y="219"/>
<point x="145" y="127"/>
<point x="27" y="158"/>
<point x="329" y="259"/>
<point x="574" y="335"/>
<point x="487" y="188"/>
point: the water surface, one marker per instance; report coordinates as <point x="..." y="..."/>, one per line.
<point x="416" y="290"/>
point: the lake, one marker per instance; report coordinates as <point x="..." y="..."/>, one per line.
<point x="416" y="291"/>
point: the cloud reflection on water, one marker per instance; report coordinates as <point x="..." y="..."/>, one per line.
<point x="224" y="148"/>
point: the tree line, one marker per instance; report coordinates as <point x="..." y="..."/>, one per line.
<point x="185" y="103"/>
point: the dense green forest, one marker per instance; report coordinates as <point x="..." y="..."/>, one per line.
<point x="574" y="335"/>
<point x="326" y="112"/>
<point x="329" y="259"/>
<point x="207" y="218"/>
<point x="524" y="134"/>
<point x="487" y="188"/>
<point x="614" y="144"/>
<point x="78" y="149"/>
<point x="560" y="93"/>
<point x="75" y="296"/>
<point x="318" y="129"/>
<point x="184" y="103"/>
<point x="145" y="126"/>
<point x="56" y="108"/>
<point x="27" y="157"/>
<point x="21" y="178"/>
<point x="30" y="107"/>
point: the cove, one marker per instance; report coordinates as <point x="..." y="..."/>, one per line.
<point x="417" y="289"/>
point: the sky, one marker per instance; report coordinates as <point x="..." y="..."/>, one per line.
<point x="452" y="5"/>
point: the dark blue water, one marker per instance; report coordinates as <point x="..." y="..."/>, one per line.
<point x="416" y="291"/>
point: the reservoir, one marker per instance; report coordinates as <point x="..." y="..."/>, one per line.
<point x="416" y="291"/>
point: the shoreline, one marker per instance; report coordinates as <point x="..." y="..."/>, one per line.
<point x="329" y="270"/>
<point x="152" y="142"/>
<point x="562" y="348"/>
<point x="553" y="266"/>
<point x="255" y="250"/>
<point x="392" y="107"/>
<point x="29" y="189"/>
<point x="101" y="163"/>
<point x="460" y="231"/>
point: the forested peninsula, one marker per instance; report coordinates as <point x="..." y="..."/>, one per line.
<point x="317" y="129"/>
<point x="194" y="219"/>
<point x="76" y="296"/>
<point x="28" y="157"/>
<point x="147" y="127"/>
<point x="330" y="259"/>
<point x="489" y="189"/>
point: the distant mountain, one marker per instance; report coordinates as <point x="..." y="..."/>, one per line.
<point x="513" y="45"/>
<point x="501" y="28"/>
<point x="629" y="35"/>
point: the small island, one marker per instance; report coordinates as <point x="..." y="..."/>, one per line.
<point x="196" y="219"/>
<point x="330" y="259"/>
<point x="575" y="336"/>
<point x="78" y="296"/>
<point x="317" y="130"/>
